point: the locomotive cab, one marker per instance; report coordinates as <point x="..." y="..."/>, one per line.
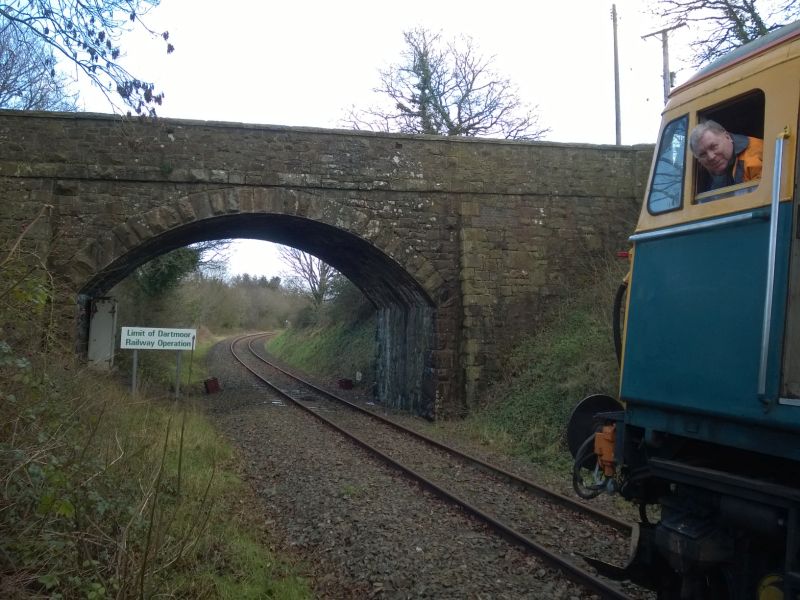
<point x="710" y="352"/>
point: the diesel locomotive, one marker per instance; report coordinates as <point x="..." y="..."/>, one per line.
<point x="705" y="435"/>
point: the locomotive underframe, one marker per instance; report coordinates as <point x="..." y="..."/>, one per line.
<point x="718" y="530"/>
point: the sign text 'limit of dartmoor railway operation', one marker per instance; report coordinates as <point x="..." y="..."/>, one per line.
<point x="156" y="338"/>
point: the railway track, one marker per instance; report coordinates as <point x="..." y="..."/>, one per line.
<point x="547" y="524"/>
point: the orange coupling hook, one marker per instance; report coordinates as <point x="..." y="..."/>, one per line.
<point x="604" y="448"/>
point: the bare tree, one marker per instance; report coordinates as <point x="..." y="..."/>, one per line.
<point x="723" y="25"/>
<point x="87" y="33"/>
<point x="309" y="274"/>
<point x="213" y="256"/>
<point x="28" y="78"/>
<point x="448" y="89"/>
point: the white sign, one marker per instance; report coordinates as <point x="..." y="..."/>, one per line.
<point x="155" y="338"/>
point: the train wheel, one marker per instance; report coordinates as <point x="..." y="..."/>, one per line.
<point x="588" y="479"/>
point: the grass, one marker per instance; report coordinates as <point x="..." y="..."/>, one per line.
<point x="524" y="413"/>
<point x="106" y="496"/>
<point x="193" y="364"/>
<point x="339" y="350"/>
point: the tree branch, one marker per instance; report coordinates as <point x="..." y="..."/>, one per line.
<point x="447" y="89"/>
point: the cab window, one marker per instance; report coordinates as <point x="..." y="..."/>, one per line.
<point x="666" y="187"/>
<point x="743" y="119"/>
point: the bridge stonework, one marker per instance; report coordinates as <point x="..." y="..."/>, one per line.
<point x="461" y="244"/>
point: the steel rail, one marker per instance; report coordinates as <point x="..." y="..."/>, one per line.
<point x="572" y="570"/>
<point x="526" y="484"/>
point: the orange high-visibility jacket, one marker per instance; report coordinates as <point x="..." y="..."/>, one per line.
<point x="747" y="165"/>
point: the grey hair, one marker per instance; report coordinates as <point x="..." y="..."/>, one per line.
<point x="700" y="129"/>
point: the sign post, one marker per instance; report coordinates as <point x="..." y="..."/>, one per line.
<point x="135" y="369"/>
<point x="157" y="338"/>
<point x="178" y="374"/>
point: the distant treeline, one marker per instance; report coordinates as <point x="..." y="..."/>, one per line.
<point x="241" y="303"/>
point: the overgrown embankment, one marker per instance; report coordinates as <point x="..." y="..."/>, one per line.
<point x="335" y="341"/>
<point x="341" y="350"/>
<point x="105" y="495"/>
<point x="525" y="413"/>
<point x="547" y="373"/>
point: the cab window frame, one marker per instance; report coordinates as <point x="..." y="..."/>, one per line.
<point x="666" y="144"/>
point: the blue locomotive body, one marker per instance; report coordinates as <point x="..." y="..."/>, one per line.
<point x="695" y="328"/>
<point x="707" y="426"/>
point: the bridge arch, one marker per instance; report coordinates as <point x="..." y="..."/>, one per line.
<point x="470" y="240"/>
<point x="370" y="256"/>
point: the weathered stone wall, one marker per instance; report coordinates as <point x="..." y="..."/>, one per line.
<point x="460" y="243"/>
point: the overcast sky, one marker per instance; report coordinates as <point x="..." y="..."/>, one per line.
<point x="307" y="62"/>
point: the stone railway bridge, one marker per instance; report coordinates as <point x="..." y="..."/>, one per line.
<point x="459" y="243"/>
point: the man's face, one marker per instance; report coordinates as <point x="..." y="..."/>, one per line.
<point x="714" y="151"/>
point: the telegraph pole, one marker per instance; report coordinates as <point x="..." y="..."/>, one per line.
<point x="616" y="76"/>
<point x="665" y="52"/>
